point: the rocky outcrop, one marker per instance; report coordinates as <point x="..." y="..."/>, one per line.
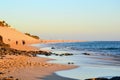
<point x="6" y="50"/>
<point x="10" y="51"/>
<point x="1" y="39"/>
<point x="86" y="53"/>
<point x="2" y="44"/>
<point x="63" y="54"/>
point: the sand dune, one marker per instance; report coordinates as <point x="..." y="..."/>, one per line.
<point x="11" y="35"/>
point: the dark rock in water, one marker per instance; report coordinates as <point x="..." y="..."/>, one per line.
<point x="64" y="54"/>
<point x="57" y="54"/>
<point x="86" y="53"/>
<point x="61" y="54"/>
<point x="68" y="54"/>
<point x="47" y="54"/>
<point x="52" y="47"/>
<point x="70" y="63"/>
<point x="115" y="78"/>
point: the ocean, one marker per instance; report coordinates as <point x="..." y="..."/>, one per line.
<point x="103" y="59"/>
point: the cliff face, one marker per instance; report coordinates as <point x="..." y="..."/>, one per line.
<point x="2" y="44"/>
<point x="1" y="39"/>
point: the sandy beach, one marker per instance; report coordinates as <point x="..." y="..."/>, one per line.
<point x="16" y="65"/>
<point x="28" y="68"/>
<point x="59" y="40"/>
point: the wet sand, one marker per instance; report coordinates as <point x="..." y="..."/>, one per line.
<point x="56" y="77"/>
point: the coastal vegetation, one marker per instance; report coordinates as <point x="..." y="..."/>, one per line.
<point x="34" y="36"/>
<point x="4" y="24"/>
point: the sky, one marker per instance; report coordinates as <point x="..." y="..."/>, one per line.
<point x="93" y="20"/>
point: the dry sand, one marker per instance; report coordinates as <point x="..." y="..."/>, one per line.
<point x="10" y="36"/>
<point x="28" y="68"/>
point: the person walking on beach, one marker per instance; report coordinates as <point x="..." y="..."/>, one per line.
<point x="23" y="42"/>
<point x="16" y="42"/>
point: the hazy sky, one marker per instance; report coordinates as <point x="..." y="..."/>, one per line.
<point x="64" y="19"/>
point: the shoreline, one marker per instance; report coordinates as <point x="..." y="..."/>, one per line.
<point x="88" y="63"/>
<point x="54" y="76"/>
<point x="23" y="67"/>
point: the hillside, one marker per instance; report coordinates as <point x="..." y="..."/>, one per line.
<point x="15" y="38"/>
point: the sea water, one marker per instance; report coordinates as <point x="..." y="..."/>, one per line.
<point x="103" y="59"/>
